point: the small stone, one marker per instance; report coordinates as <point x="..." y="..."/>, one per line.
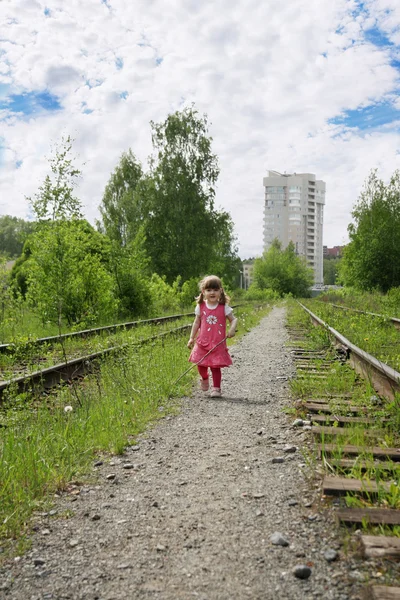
<point x="258" y="495"/>
<point x="38" y="562"/>
<point x="53" y="512"/>
<point x="278" y="460"/>
<point x="292" y="503"/>
<point x="330" y="555"/>
<point x="312" y="517"/>
<point x="298" y="423"/>
<point x="73" y="543"/>
<point x="356" y="576"/>
<point x="111" y="476"/>
<point x="278" y="539"/>
<point x="302" y="572"/>
<point x="135" y="448"/>
<point x="96" y="517"/>
<point x="290" y="449"/>
<point x="124" y="566"/>
<point x="45" y="531"/>
<point x="128" y="466"/>
<point x="161" y="548"/>
<point x="155" y="504"/>
<point x="98" y="463"/>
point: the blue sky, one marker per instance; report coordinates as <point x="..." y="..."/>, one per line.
<point x="317" y="90"/>
<point x="30" y="103"/>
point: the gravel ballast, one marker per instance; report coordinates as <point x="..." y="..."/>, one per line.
<point x="211" y="504"/>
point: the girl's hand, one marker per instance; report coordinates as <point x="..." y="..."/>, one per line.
<point x="190" y="343"/>
<point x="230" y="334"/>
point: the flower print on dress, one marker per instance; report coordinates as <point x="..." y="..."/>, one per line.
<point x="212" y="319"/>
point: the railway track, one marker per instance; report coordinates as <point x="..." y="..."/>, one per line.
<point x="66" y="371"/>
<point x="355" y="433"/>
<point x="85" y="333"/>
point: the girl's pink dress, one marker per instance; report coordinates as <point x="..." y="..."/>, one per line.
<point x="212" y="330"/>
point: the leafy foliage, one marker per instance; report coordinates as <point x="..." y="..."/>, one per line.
<point x="372" y="258"/>
<point x="63" y="271"/>
<point x="173" y="204"/>
<point x="55" y="199"/>
<point x="120" y="206"/>
<point x="283" y="271"/>
<point x="331" y="267"/>
<point x="67" y="276"/>
<point x="13" y="233"/>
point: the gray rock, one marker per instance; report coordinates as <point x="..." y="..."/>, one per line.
<point x="290" y="449"/>
<point x="278" y="539"/>
<point x="302" y="572"/>
<point x="330" y="555"/>
<point x="38" y="562"/>
<point x="298" y="423"/>
<point x="278" y="460"/>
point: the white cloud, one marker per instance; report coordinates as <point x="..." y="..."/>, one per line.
<point x="271" y="76"/>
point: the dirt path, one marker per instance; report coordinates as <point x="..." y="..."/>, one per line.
<point x="191" y="509"/>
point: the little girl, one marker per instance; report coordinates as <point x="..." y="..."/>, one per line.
<point x="211" y="314"/>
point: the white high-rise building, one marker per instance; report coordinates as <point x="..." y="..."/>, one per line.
<point x="294" y="211"/>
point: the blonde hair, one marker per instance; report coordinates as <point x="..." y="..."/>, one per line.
<point x="214" y="283"/>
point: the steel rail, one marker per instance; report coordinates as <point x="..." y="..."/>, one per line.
<point x="394" y="320"/>
<point x="53" y="376"/>
<point x="385" y="379"/>
<point x="94" y="331"/>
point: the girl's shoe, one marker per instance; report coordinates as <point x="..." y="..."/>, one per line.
<point x="216" y="392"/>
<point x="204" y="384"/>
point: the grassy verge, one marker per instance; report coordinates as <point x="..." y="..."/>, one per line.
<point x="47" y="442"/>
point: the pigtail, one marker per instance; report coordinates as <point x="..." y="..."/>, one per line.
<point x="224" y="298"/>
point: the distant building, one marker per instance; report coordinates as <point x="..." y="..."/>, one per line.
<point x="334" y="252"/>
<point x="294" y="212"/>
<point x="247" y="272"/>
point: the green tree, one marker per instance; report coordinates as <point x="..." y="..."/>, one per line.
<point x="173" y="204"/>
<point x="13" y="233"/>
<point x="67" y="276"/>
<point x="130" y="268"/>
<point x="55" y="199"/>
<point x="120" y="207"/>
<point x="372" y="258"/>
<point x="331" y="266"/>
<point x="282" y="271"/>
<point x="180" y="195"/>
<point x="65" y="269"/>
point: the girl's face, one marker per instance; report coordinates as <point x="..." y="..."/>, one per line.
<point x="212" y="295"/>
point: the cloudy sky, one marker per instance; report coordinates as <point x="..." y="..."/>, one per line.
<point x="295" y="86"/>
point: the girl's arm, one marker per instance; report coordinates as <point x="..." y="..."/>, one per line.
<point x="232" y="328"/>
<point x="195" y="328"/>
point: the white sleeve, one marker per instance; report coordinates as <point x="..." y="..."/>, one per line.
<point x="197" y="310"/>
<point x="228" y="310"/>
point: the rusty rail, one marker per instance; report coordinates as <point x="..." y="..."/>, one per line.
<point x="385" y="379"/>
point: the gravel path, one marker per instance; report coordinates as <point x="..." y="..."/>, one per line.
<point x="190" y="511"/>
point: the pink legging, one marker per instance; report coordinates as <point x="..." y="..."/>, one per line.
<point x="216" y="374"/>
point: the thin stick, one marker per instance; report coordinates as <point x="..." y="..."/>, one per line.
<point x="195" y="364"/>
